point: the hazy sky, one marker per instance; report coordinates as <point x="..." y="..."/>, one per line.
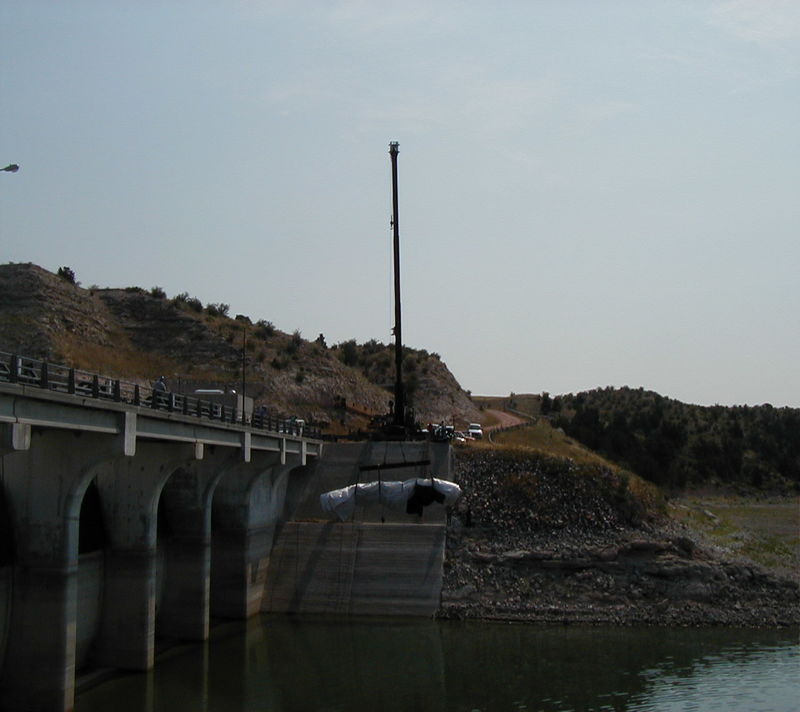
<point x="592" y="193"/>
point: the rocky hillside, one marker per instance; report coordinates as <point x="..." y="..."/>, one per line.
<point x="138" y="334"/>
<point x="537" y="538"/>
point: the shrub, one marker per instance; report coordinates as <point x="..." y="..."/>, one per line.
<point x="66" y="274"/>
<point x="265" y="328"/>
<point x="350" y="353"/>
<point x="158" y="293"/>
<point x="194" y="304"/>
<point x="294" y="344"/>
<point x="217" y="309"/>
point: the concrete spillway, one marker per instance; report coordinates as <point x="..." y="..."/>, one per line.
<point x="383" y="562"/>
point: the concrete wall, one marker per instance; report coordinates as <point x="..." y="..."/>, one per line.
<point x="384" y="562"/>
<point x="343" y="463"/>
<point x="356" y="569"/>
<point x="90" y="600"/>
<point x="6" y="573"/>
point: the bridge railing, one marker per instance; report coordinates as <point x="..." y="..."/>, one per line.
<point x="63" y="379"/>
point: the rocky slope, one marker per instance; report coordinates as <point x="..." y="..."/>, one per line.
<point x="137" y="335"/>
<point x="540" y="539"/>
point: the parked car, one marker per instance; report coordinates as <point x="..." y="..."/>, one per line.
<point x="475" y="431"/>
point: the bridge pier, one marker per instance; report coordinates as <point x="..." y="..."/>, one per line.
<point x="247" y="506"/>
<point x="185" y="605"/>
<point x="45" y="485"/>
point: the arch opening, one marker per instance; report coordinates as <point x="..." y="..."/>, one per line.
<point x="92" y="543"/>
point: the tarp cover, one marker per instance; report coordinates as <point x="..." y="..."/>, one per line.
<point x="394" y="494"/>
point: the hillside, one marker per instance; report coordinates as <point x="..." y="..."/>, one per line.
<point x="139" y="334"/>
<point x="676" y="445"/>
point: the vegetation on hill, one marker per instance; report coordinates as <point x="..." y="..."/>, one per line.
<point x="677" y="445"/>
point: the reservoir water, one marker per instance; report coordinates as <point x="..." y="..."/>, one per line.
<point x="283" y="664"/>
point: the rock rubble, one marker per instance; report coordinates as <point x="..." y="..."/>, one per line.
<point x="540" y="539"/>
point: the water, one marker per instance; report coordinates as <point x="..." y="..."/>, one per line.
<point x="285" y="664"/>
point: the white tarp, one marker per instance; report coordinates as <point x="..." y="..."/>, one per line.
<point x="394" y="494"/>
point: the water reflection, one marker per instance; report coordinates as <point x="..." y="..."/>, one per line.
<point x="285" y="664"/>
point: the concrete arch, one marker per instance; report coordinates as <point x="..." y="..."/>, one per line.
<point x="45" y="486"/>
<point x="53" y="447"/>
<point x="92" y="545"/>
<point x="131" y="488"/>
<point x="185" y="555"/>
<point x="247" y="508"/>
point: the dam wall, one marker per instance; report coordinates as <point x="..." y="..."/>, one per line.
<point x="356" y="569"/>
<point x="381" y="561"/>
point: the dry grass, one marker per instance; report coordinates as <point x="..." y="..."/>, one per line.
<point x="122" y="361"/>
<point x="768" y="532"/>
<point x="544" y="438"/>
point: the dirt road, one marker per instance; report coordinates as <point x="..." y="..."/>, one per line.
<point x="504" y="420"/>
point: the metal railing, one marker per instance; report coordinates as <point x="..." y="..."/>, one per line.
<point x="63" y="379"/>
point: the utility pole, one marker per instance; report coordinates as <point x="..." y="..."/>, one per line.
<point x="399" y="391"/>
<point x="244" y="369"/>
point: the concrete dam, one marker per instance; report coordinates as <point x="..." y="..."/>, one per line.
<point x="124" y="525"/>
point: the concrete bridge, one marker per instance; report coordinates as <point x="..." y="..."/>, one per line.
<point x="131" y="518"/>
<point x="123" y="522"/>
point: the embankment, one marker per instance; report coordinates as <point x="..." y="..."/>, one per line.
<point x="542" y="539"/>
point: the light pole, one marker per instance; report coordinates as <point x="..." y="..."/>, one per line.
<point x="399" y="390"/>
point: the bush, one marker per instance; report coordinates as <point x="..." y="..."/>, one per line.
<point x="158" y="293"/>
<point x="265" y="328"/>
<point x="350" y="353"/>
<point x="294" y="345"/>
<point x="66" y="274"/>
<point x="217" y="309"/>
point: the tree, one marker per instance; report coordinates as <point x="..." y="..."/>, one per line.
<point x="350" y="353"/>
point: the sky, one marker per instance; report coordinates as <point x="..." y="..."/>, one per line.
<point x="591" y="193"/>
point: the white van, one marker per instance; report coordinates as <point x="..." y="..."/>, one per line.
<point x="475" y="431"/>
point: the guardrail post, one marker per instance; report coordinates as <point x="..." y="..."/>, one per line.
<point x="137" y="396"/>
<point x="71" y="382"/>
<point x="13" y="371"/>
<point x="44" y="381"/>
<point x="117" y="391"/>
<point x="154" y="399"/>
<point x="95" y="386"/>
